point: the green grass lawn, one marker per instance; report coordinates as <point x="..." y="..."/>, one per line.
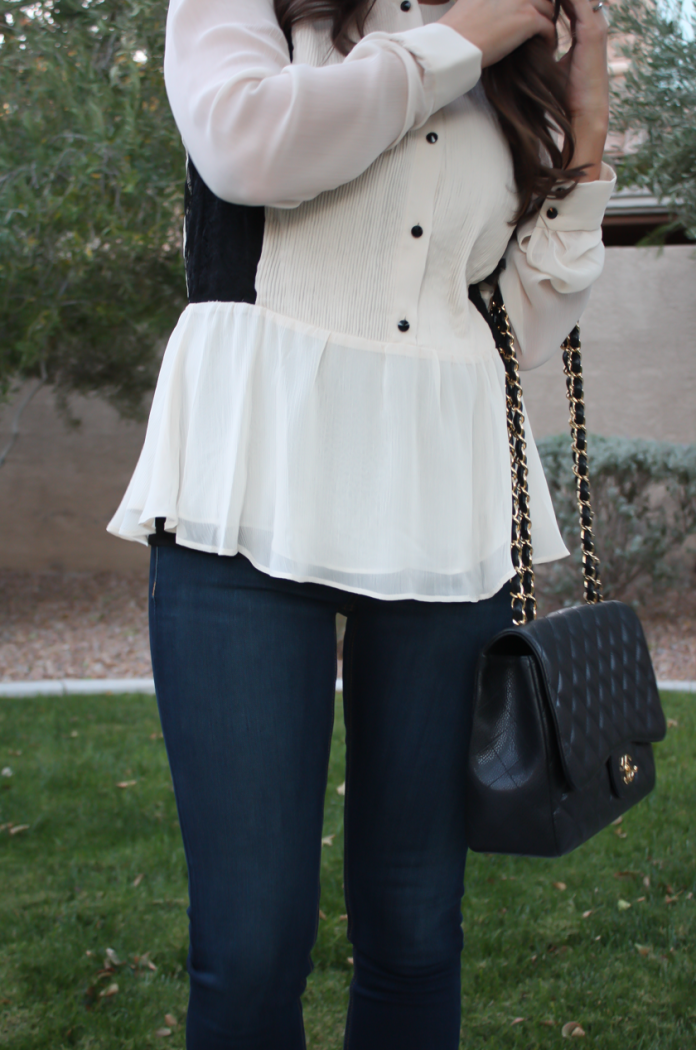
<point x="604" y="937"/>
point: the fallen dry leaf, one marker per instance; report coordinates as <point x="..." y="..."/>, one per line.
<point x="560" y="886"/>
<point x="155" y="736"/>
<point x="643" y="949"/>
<point x="617" y="821"/>
<point x="668" y="899"/>
<point x="321" y="914"/>
<point x="74" y="733"/>
<point x="342" y="917"/>
<point x="646" y="881"/>
<point x="6" y="772"/>
<point x="623" y="905"/>
<point x="350" y="960"/>
<point x="689" y="896"/>
<point x="170" y="1019"/>
<point x="328" y="840"/>
<point x="672" y="723"/>
<point x="126" y="783"/>
<point x="16" y="828"/>
<point x="639" y="899"/>
<point x="341" y="789"/>
<point x="621" y="834"/>
<point x="162" y="1033"/>
<point x="549" y="1024"/>
<point x="88" y="952"/>
<point x="586" y="914"/>
<point x="108" y="992"/>
<point x="572" y="1030"/>
<point x="112" y="958"/>
<point x="518" y="1020"/>
<point x="138" y="879"/>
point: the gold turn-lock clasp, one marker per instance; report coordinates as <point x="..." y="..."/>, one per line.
<point x="628" y="769"/>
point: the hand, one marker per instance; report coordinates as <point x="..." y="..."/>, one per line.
<point x="585" y="65"/>
<point x="497" y="27"/>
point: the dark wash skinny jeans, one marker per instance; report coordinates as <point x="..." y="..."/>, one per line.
<point x="245" y="666"/>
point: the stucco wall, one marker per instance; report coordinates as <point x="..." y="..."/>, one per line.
<point x="639" y="351"/>
<point x="59" y="487"/>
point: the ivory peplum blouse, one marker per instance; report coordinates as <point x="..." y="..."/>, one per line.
<point x="330" y="403"/>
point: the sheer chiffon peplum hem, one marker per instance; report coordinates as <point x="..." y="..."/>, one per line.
<point x="377" y="468"/>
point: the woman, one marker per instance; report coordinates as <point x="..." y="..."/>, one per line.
<point x="328" y="435"/>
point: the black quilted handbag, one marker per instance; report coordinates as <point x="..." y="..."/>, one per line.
<point x="566" y="707"/>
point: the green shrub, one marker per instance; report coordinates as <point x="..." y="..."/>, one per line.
<point x="644" y="502"/>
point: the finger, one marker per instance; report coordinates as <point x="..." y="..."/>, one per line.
<point x="545" y="24"/>
<point x="585" y="14"/>
<point x="547" y="31"/>
<point x="590" y="27"/>
<point x="599" y="10"/>
<point x="545" y="8"/>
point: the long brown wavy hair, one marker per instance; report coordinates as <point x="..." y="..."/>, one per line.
<point x="526" y="89"/>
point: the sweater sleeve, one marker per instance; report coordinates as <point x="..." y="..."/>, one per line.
<point x="261" y="130"/>
<point x="551" y="263"/>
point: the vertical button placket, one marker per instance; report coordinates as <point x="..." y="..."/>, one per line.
<point x="412" y="246"/>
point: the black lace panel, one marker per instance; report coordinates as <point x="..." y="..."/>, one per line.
<point x="223" y="245"/>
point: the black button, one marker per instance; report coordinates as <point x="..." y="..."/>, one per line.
<point x="431" y="136"/>
<point x="406" y="5"/>
<point x="552" y="213"/>
<point x="417" y="231"/>
<point x="403" y="326"/>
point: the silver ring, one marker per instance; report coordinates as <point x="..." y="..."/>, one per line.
<point x="597" y="7"/>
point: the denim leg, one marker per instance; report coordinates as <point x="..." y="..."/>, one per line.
<point x="408" y="679"/>
<point x="244" y="669"/>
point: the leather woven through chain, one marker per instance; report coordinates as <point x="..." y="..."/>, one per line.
<point x="572" y="366"/>
<point x="523" y="600"/>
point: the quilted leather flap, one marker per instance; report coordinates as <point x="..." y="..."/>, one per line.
<point x="599" y="681"/>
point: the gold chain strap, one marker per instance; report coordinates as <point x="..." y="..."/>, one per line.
<point x="523" y="600"/>
<point x="522" y="587"/>
<point x="572" y="366"/>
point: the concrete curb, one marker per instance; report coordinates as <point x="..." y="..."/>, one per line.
<point x="121" y="686"/>
<point x="77" y="686"/>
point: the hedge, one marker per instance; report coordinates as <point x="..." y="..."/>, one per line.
<point x="644" y="501"/>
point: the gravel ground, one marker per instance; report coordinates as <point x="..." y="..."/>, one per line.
<point x="94" y="625"/>
<point x="70" y="625"/>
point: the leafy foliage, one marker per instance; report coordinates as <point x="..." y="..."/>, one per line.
<point x="644" y="502"/>
<point x="656" y="104"/>
<point x="91" y="278"/>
